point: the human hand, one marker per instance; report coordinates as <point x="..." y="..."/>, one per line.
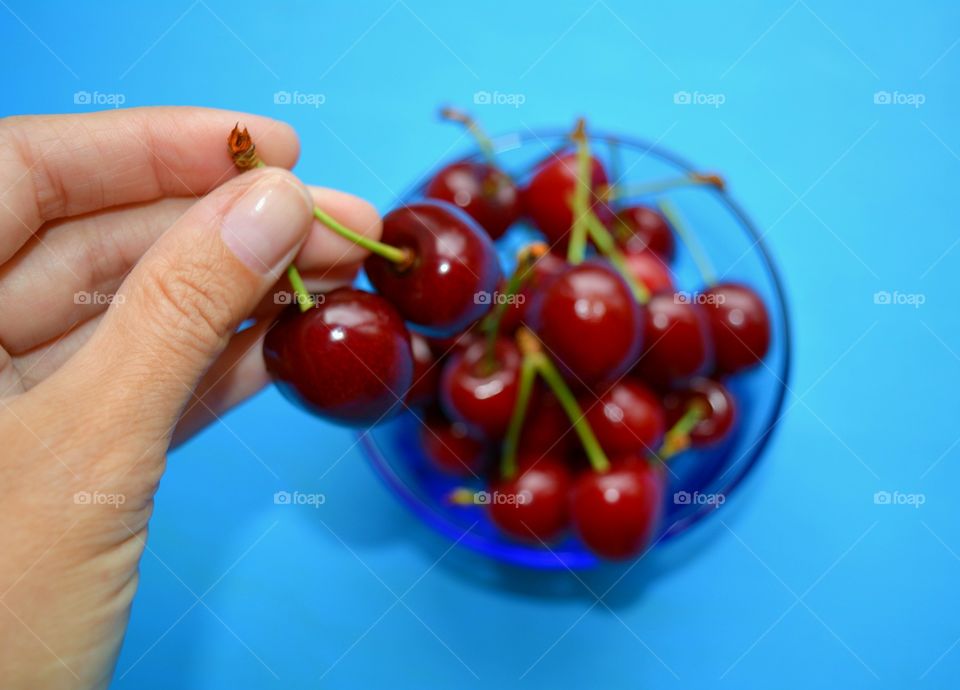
<point x="130" y="251"/>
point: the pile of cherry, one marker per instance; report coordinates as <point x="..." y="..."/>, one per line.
<point x="565" y="386"/>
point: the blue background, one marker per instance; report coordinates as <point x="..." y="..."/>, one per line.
<point x="802" y="581"/>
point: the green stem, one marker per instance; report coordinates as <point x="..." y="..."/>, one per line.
<point x="491" y="322"/>
<point x="483" y="141"/>
<point x="402" y="257"/>
<point x="677" y="437"/>
<point x="528" y="374"/>
<point x="580" y="200"/>
<point x="673" y="216"/>
<point x="608" y="247"/>
<point x="657" y="186"/>
<point x="547" y="369"/>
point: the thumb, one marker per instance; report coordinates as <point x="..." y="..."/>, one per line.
<point x="178" y="308"/>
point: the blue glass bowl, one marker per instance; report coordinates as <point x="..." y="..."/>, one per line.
<point x="701" y="482"/>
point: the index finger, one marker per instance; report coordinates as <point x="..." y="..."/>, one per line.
<point x="66" y="165"/>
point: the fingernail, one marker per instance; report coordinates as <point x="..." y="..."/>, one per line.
<point x="265" y="226"/>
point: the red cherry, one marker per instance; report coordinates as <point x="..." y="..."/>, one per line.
<point x="486" y="193"/>
<point x="677" y="337"/>
<point x="546" y="430"/>
<point x="641" y="228"/>
<point x="454" y="262"/>
<point x="426" y="372"/>
<point x="719" y="405"/>
<point x="616" y="513"/>
<point x="545" y="268"/>
<point x="650" y="270"/>
<point x="589" y="321"/>
<point x="450" y="448"/>
<point x="739" y="324"/>
<point x="347" y="359"/>
<point x="546" y="198"/>
<point x="627" y="418"/>
<point x="479" y="392"/>
<point x="533" y="505"/>
<point x="446" y="346"/>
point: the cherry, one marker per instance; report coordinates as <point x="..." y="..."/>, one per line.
<point x="627" y="418"/>
<point x="543" y="269"/>
<point x="426" y="373"/>
<point x="444" y="346"/>
<point x="483" y="191"/>
<point x="616" y="513"/>
<point x="649" y="269"/>
<point x="589" y="321"/>
<point x="547" y="197"/>
<point x="739" y="324"/>
<point x="454" y="263"/>
<point x="720" y="410"/>
<point x="677" y="337"/>
<point x="481" y="391"/>
<point x="450" y="448"/>
<point x="546" y="430"/>
<point x="642" y="228"/>
<point x="347" y="359"/>
<point x="533" y="505"/>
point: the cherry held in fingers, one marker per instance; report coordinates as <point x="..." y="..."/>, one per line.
<point x="479" y="390"/>
<point x="739" y="324"/>
<point x="533" y="505"/>
<point x="453" y="271"/>
<point x="589" y="321"/>
<point x="616" y="513"/>
<point x="347" y="358"/>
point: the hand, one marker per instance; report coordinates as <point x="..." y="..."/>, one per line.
<point x="130" y="251"/>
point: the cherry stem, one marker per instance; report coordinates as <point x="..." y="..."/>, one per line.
<point x="528" y="375"/>
<point x="402" y="257"/>
<point x="608" y="247"/>
<point x="490" y="325"/>
<point x="680" y="226"/>
<point x="646" y="188"/>
<point x="580" y="199"/>
<point x="677" y="438"/>
<point x="483" y="141"/>
<point x="551" y="375"/>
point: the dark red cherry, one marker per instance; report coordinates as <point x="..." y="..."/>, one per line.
<point x="450" y="448"/>
<point x="650" y="270"/>
<point x="639" y="228"/>
<point x="479" y="392"/>
<point x="546" y="429"/>
<point x="485" y="192"/>
<point x="543" y="270"/>
<point x="677" y="339"/>
<point x="719" y="406"/>
<point x="533" y="505"/>
<point x="589" y="321"/>
<point x="426" y="372"/>
<point x="739" y="324"/>
<point x="546" y="198"/>
<point x="347" y="359"/>
<point x="443" y="347"/>
<point x="616" y="513"/>
<point x="454" y="262"/>
<point x="626" y="418"/>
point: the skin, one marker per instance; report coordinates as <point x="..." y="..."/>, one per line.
<point x="128" y="204"/>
